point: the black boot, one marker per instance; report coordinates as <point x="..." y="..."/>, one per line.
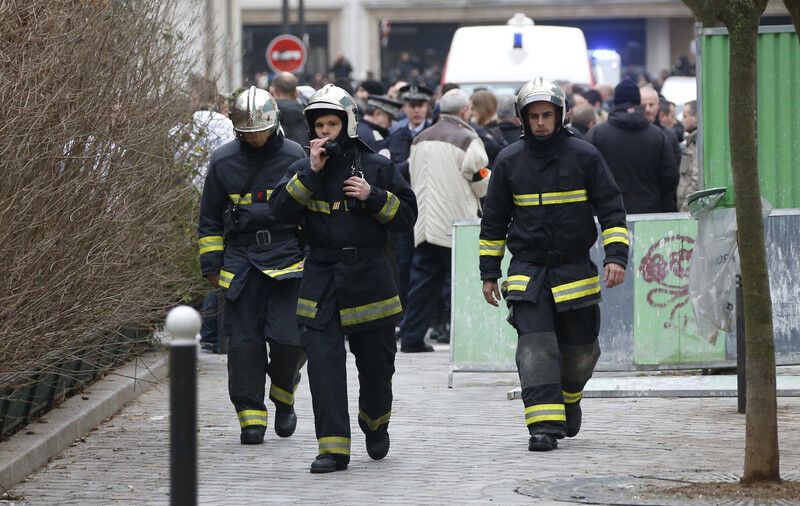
<point x="328" y="463"/>
<point x="542" y="443"/>
<point x="285" y="421"/>
<point x="574" y="416"/>
<point x="252" y="435"/>
<point x="377" y="445"/>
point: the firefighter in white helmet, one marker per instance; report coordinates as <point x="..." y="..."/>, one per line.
<point x="349" y="199"/>
<point x="258" y="263"/>
<point x="542" y="196"/>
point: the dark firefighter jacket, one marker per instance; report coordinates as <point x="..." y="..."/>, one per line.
<point x="360" y="286"/>
<point x="277" y="253"/>
<point x="540" y="199"/>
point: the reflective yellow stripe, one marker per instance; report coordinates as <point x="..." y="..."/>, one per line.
<point x="281" y="395"/>
<point x="616" y="234"/>
<point x="319" y="206"/>
<point x="245" y="200"/>
<point x="576" y="289"/>
<point x="526" y="199"/>
<point x="252" y="417"/>
<point x="374" y="424"/>
<point x="571" y="398"/>
<point x="371" y="312"/>
<point x="389" y="209"/>
<point x="564" y="197"/>
<point x="277" y="273"/>
<point x="334" y="444"/>
<point x="211" y="243"/>
<point x="492" y="248"/>
<point x="535" y="199"/>
<point x="298" y="191"/>
<point x="545" y="412"/>
<point x="307" y="308"/>
<point x="225" y="278"/>
<point x="518" y="282"/>
<point x="242" y="201"/>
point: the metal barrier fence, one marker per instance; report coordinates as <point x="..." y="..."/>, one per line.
<point x="648" y="322"/>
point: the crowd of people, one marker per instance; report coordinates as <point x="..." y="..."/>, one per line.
<point x="328" y="216"/>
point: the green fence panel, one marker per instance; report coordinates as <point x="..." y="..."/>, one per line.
<point x="778" y="102"/>
<point x="665" y="330"/>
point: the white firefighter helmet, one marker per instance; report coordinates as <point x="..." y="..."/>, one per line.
<point x="334" y="99"/>
<point x="255" y="111"/>
<point x="541" y="90"/>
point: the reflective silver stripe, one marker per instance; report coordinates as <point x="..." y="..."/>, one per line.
<point x="616" y="234"/>
<point x="545" y="412"/>
<point x="307" y="308"/>
<point x="492" y="248"/>
<point x="576" y="289"/>
<point x="528" y="199"/>
<point x="518" y="282"/>
<point x="564" y="197"/>
<point x="389" y="209"/>
<point x="334" y="444"/>
<point x="371" y="312"/>
<point x="298" y="191"/>
<point x="281" y="395"/>
<point x="319" y="206"/>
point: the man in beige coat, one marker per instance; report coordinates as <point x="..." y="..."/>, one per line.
<point x="449" y="176"/>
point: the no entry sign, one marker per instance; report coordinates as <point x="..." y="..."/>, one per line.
<point x="286" y="53"/>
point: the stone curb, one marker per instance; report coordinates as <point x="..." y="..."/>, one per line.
<point x="24" y="453"/>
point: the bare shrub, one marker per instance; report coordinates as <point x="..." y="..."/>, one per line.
<point x="96" y="202"/>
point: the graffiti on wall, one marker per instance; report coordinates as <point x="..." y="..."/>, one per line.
<point x="665" y="268"/>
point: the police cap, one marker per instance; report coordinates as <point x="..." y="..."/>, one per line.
<point x="385" y="104"/>
<point x="415" y="93"/>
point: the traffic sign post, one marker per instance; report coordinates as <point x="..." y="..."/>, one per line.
<point x="286" y="53"/>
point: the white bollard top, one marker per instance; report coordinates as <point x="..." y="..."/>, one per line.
<point x="183" y="323"/>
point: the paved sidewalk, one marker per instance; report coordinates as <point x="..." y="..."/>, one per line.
<point x="462" y="445"/>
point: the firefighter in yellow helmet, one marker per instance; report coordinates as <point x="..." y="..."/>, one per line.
<point x="258" y="263"/>
<point x="350" y="198"/>
<point x="540" y="203"/>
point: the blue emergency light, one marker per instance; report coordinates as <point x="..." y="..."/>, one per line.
<point x="517" y="40"/>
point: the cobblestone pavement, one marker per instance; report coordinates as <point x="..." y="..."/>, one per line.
<point x="462" y="445"/>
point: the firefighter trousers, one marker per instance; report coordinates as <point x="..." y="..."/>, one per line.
<point x="374" y="351"/>
<point x="262" y="318"/>
<point x="556" y="355"/>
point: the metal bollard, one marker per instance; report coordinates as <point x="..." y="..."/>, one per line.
<point x="741" y="348"/>
<point x="183" y="323"/>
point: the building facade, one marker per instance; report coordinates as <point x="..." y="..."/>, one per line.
<point x="650" y="35"/>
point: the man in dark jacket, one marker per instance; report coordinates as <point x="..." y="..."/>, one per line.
<point x="349" y="198"/>
<point x="638" y="153"/>
<point x="652" y="103"/>
<point x="284" y="89"/>
<point x="373" y="128"/>
<point x="258" y="263"/>
<point x="542" y="194"/>
<point x="416" y="105"/>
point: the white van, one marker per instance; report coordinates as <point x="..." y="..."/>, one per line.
<point x="504" y="57"/>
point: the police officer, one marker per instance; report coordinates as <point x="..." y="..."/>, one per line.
<point x="257" y="261"/>
<point x="349" y="197"/>
<point x="416" y="106"/>
<point x="373" y="128"/>
<point x="543" y="190"/>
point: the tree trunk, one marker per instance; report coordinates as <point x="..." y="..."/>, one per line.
<point x="741" y="17"/>
<point x="761" y="461"/>
<point x="793" y="6"/>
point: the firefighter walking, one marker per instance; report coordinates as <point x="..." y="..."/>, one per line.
<point x="540" y="205"/>
<point x="258" y="263"/>
<point x="349" y="198"/>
